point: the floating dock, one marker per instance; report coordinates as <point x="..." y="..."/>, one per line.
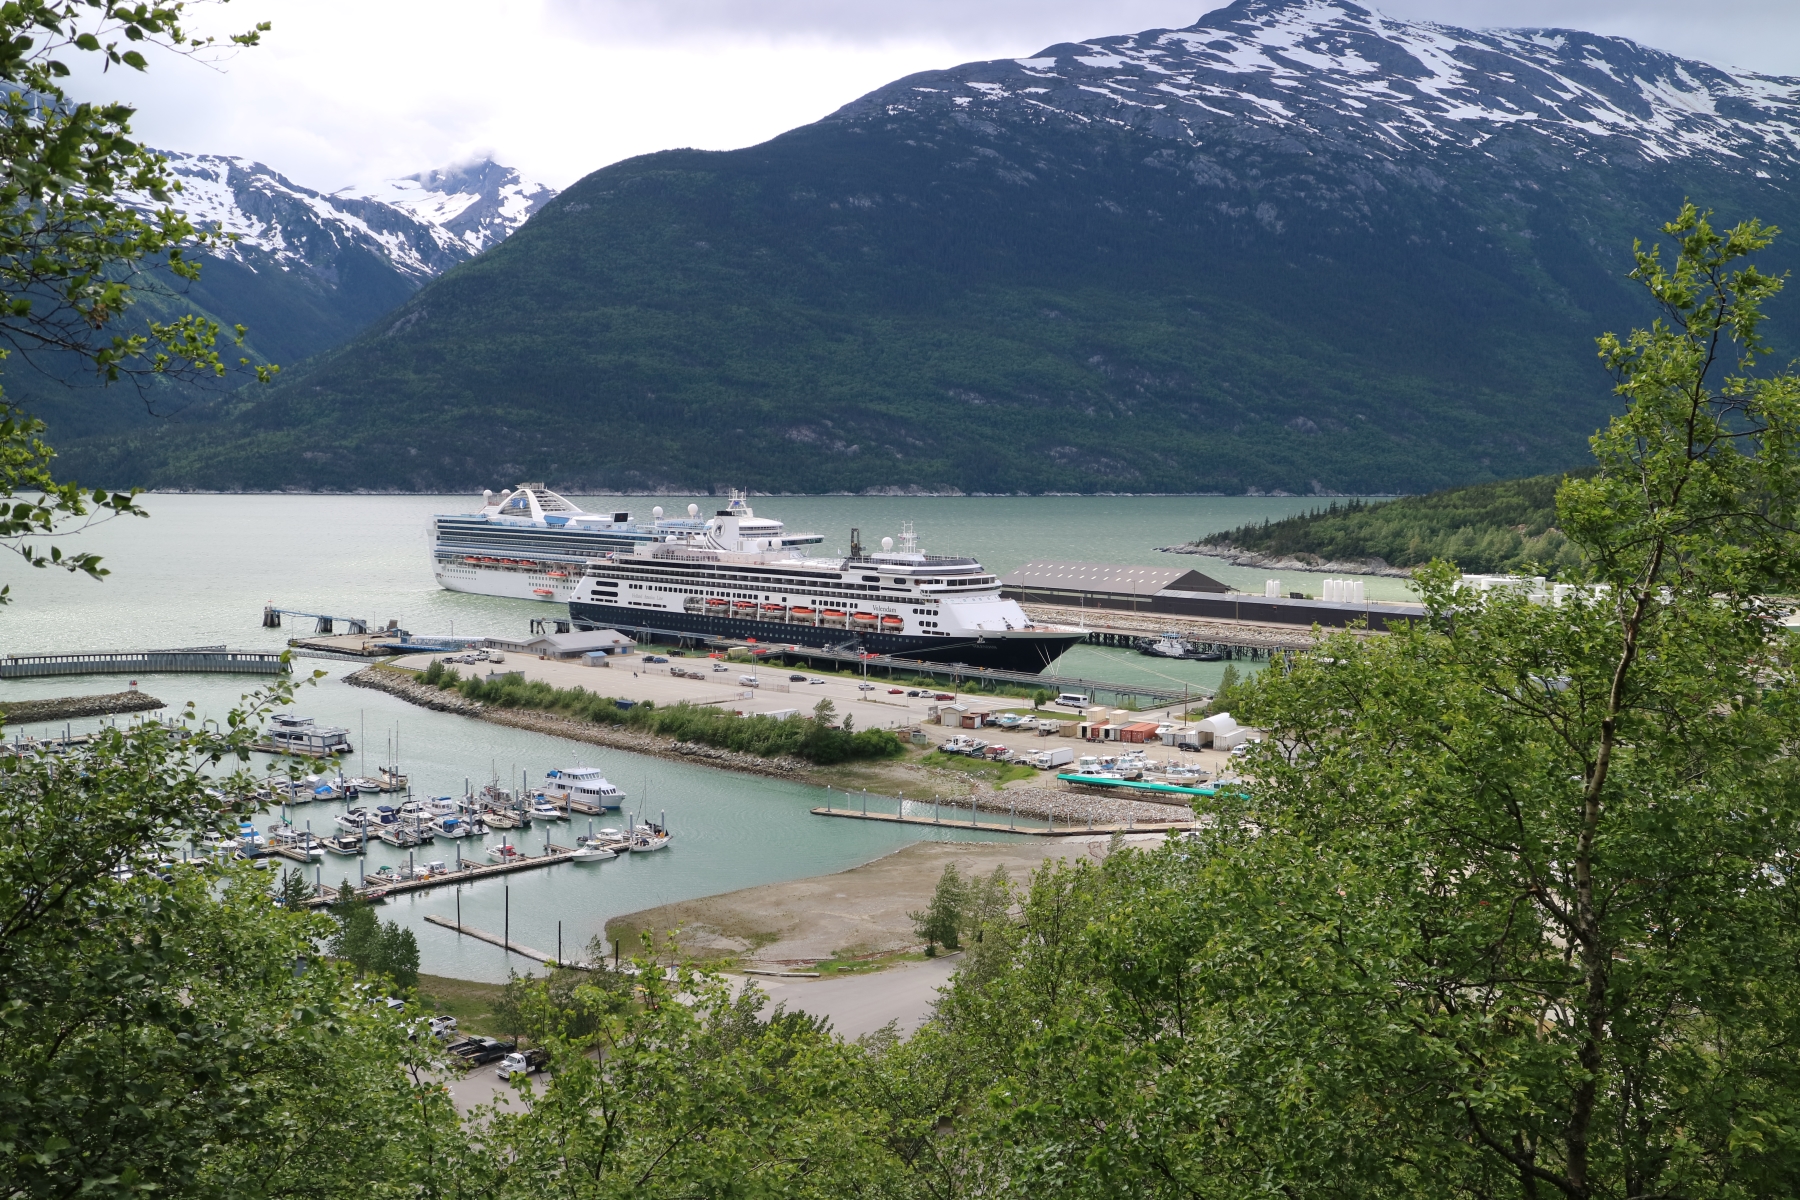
<point x="195" y="660"/>
<point x="375" y="889"/>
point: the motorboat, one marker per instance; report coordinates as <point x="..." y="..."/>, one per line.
<point x="215" y="842"/>
<point x="581" y="790"/>
<point x="505" y="853"/>
<point x="354" y="821"/>
<point x="451" y="826"/>
<point x="403" y="834"/>
<point x="344" y="843"/>
<point x="504" y="818"/>
<point x="598" y="847"/>
<point x="543" y="810"/>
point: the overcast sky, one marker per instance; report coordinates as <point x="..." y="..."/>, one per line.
<point x="343" y="92"/>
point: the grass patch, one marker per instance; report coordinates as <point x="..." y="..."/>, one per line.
<point x="473" y="1004"/>
<point x="998" y="773"/>
<point x="866" y="965"/>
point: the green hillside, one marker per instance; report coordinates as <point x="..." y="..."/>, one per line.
<point x="1491" y="527"/>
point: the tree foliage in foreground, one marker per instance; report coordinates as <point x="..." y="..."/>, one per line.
<point x="88" y="225"/>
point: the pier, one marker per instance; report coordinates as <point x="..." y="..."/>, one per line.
<point x="194" y="660"/>
<point x="494" y="939"/>
<point x="375" y="889"/>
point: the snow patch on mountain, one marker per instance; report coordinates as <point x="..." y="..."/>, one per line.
<point x="422" y="224"/>
<point x="1336" y="69"/>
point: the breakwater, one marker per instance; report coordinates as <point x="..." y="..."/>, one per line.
<point x="613" y="737"/>
<point x="64" y="708"/>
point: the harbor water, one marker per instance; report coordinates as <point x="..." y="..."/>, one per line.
<point x="200" y="570"/>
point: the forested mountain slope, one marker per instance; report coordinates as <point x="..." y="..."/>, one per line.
<point x="1490" y="527"/>
<point x="1296" y="246"/>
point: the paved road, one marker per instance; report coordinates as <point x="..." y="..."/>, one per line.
<point x="862" y="1004"/>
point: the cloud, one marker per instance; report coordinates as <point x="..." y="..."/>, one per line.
<point x="344" y="91"/>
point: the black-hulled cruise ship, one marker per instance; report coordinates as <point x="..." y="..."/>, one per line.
<point x="733" y="577"/>
<point x="531" y="544"/>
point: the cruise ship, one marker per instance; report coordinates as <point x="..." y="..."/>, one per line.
<point x="733" y="576"/>
<point x="529" y="543"/>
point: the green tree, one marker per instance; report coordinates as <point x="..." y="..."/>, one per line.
<point x="163" y="1026"/>
<point x="1509" y="909"/>
<point x="293" y="892"/>
<point x="941" y="922"/>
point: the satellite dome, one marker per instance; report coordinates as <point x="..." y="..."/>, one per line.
<point x="657" y="512"/>
<point x="887" y="543"/>
<point x="693" y="510"/>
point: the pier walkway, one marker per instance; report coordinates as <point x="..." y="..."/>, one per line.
<point x="202" y="660"/>
<point x="494" y="939"/>
<point x="375" y="889"/>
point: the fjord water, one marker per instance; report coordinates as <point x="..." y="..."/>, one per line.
<point x="200" y="569"/>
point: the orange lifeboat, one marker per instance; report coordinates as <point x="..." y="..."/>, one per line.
<point x="468" y="558"/>
<point x="543" y="591"/>
<point x="557" y="574"/>
<point x="714" y="602"/>
<point x="800" y="614"/>
<point x="863" y="620"/>
<point x="832" y="616"/>
<point x="894" y="623"/>
<point x="773" y="612"/>
<point x="743" y="606"/>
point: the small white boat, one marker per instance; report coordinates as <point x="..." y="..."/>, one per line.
<point x="595" y="849"/>
<point x="504" y="853"/>
<point x="402" y="834"/>
<point x="451" y="826"/>
<point x="543" y="810"/>
<point x="354" y="821"/>
<point x="647" y="837"/>
<point x="217" y="843"/>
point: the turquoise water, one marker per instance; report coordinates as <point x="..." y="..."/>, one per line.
<point x="199" y="571"/>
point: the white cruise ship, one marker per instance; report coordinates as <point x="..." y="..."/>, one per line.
<point x="531" y="544"/>
<point x="729" y="576"/>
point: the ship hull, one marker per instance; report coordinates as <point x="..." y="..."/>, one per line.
<point x="514" y="584"/>
<point x="1023" y="650"/>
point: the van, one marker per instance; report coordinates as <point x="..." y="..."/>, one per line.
<point x="1071" y="700"/>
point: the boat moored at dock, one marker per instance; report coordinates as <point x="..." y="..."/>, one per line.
<point x="730" y="578"/>
<point x="580" y="790"/>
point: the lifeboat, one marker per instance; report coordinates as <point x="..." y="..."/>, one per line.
<point x="800" y="614"/>
<point x="543" y="591"/>
<point x="693" y="604"/>
<point x="557" y="574"/>
<point x="832" y="616"/>
<point x="486" y="558"/>
<point x="743" y="608"/>
<point x="773" y="612"/>
<point x="715" y="602"/>
<point x="509" y="560"/>
<point x="468" y="558"/>
<point x="893" y="624"/>
<point x="863" y="620"/>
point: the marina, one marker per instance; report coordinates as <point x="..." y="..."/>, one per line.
<point x="733" y="830"/>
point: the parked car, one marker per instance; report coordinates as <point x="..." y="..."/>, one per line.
<point x="944" y="696"/>
<point x="796" y="679"/>
<point x="915" y="692"/>
<point x="522" y="1062"/>
<point x="896" y="691"/>
<point x="442" y="1027"/>
<point x="815" y="680"/>
<point x="483" y="1050"/>
<point x="657" y="658"/>
<point x="865" y="687"/>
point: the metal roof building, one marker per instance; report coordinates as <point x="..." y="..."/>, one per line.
<point x="1102" y="585"/>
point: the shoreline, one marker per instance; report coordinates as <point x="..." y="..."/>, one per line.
<point x="1033" y="801"/>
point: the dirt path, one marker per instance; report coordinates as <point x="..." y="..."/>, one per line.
<point x="859" y="912"/>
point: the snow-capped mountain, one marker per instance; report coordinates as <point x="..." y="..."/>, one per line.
<point x="1295" y="247"/>
<point x="479" y="203"/>
<point x="1332" y="71"/>
<point x="422" y="224"/>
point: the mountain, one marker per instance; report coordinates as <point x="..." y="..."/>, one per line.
<point x="1489" y="527"/>
<point x="1294" y="247"/>
<point x="310" y="269"/>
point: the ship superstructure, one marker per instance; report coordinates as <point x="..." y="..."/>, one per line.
<point x="731" y="578"/>
<point x="530" y="543"/>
